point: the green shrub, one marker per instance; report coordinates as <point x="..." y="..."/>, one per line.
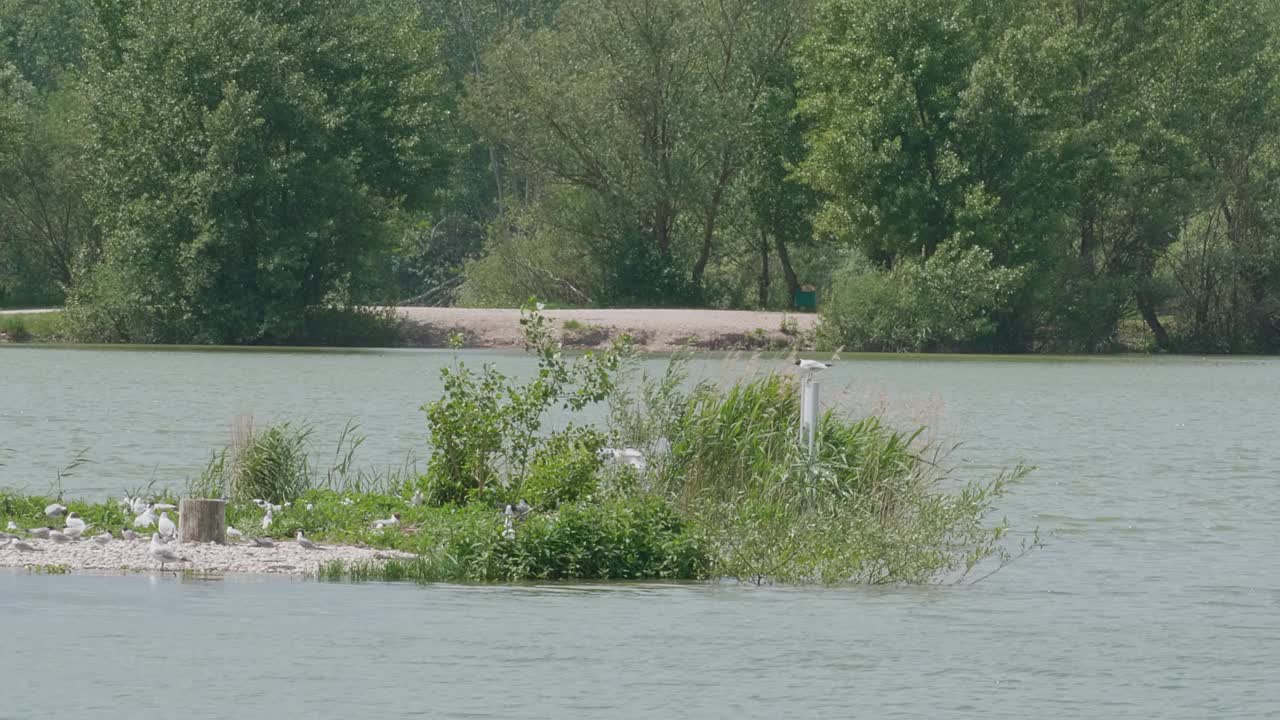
<point x="486" y="428"/>
<point x="564" y="470"/>
<point x="947" y="302"/>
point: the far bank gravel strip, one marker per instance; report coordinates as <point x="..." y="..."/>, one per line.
<point x="661" y="330"/>
<point x="285" y="557"/>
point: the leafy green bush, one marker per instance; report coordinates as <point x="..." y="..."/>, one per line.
<point x="948" y="302"/>
<point x="485" y="429"/>
<point x="565" y="469"/>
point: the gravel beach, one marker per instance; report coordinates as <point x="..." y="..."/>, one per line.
<point x="285" y="557"/>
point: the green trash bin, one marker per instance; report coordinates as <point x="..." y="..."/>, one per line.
<point x="806" y="298"/>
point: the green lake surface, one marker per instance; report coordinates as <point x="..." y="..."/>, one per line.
<point x="1157" y="594"/>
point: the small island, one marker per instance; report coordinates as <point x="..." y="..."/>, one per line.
<point x="684" y="482"/>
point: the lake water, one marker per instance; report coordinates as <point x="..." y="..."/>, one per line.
<point x="1157" y="594"/>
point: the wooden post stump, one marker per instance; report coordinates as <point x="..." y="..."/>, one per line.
<point x="202" y="521"/>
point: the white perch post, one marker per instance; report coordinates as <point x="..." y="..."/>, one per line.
<point x="202" y="521"/>
<point x="809" y="414"/>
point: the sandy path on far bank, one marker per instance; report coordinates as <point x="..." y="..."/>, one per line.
<point x="659" y="330"/>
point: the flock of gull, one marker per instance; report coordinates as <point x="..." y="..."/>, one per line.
<point x="164" y="530"/>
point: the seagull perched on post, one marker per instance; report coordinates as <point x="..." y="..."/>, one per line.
<point x="809" y="367"/>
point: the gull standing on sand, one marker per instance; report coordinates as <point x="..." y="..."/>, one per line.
<point x="146" y="519"/>
<point x="163" y="552"/>
<point x="262" y="542"/>
<point x="266" y="519"/>
<point x="73" y="532"/>
<point x="389" y="522"/>
<point x="167" y="529"/>
<point x="127" y="534"/>
<point x="54" y="510"/>
<point x="102" y="539"/>
<point x="234" y="533"/>
<point x="305" y="543"/>
<point x="58" y="537"/>
<point x="138" y="505"/>
<point x="21" y="546"/>
<point x="42" y="533"/>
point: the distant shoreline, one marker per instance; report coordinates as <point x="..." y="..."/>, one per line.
<point x="662" y="330"/>
<point x="656" y="330"/>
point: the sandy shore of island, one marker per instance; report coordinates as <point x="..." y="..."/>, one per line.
<point x="126" y="555"/>
<point x="656" y="330"/>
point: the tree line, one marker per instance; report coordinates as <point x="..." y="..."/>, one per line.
<point x="950" y="174"/>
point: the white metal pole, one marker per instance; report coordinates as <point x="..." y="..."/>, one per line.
<point x="810" y="407"/>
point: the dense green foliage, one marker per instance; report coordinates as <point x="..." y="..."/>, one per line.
<point x="245" y="172"/>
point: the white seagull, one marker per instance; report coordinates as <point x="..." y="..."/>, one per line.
<point x="305" y="543"/>
<point x="508" y="527"/>
<point x="266" y="519"/>
<point x="389" y="522"/>
<point x="127" y="534"/>
<point x="262" y="542"/>
<point x="102" y="539"/>
<point x="167" y="529"/>
<point x="812" y="366"/>
<point x="58" y="537"/>
<point x="11" y="526"/>
<point x="42" y="533"/>
<point x="163" y="552"/>
<point x="75" y="521"/>
<point x="138" y="505"/>
<point x="72" y="533"/>
<point x="55" y="510"/>
<point x="234" y="533"/>
<point x="146" y="519"/>
<point x="417" y="498"/>
<point x="625" y="456"/>
<point x="22" y="546"/>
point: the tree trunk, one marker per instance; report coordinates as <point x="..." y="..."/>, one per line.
<point x="793" y="283"/>
<point x="202" y="521"/>
<point x="1147" y="306"/>
<point x="764" y="269"/>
